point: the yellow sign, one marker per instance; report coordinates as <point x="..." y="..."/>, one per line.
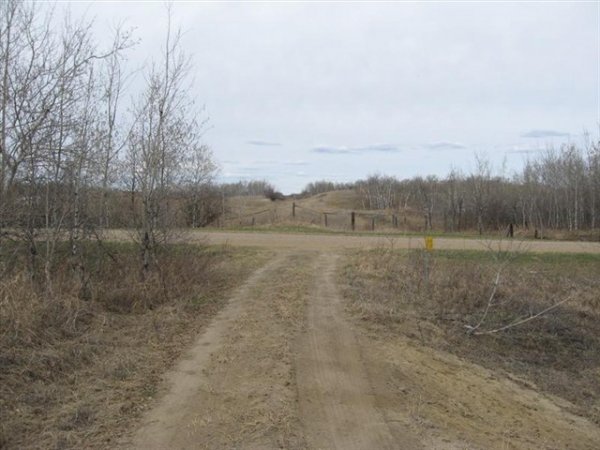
<point x="428" y="243"/>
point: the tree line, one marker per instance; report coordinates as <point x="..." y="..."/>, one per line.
<point x="557" y="189"/>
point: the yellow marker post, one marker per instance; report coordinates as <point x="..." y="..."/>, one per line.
<point x="428" y="243"/>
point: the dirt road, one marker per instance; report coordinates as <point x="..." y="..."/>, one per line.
<point x="335" y="399"/>
<point x="322" y="242"/>
<point x="285" y="366"/>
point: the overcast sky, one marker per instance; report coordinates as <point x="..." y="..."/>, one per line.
<point x="298" y="92"/>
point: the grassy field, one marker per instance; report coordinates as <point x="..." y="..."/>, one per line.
<point x="257" y="213"/>
<point x="76" y="372"/>
<point x="440" y="300"/>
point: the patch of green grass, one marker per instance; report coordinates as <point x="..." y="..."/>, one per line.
<point x="520" y="257"/>
<point x="484" y="255"/>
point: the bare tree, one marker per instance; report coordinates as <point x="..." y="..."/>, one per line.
<point x="112" y="140"/>
<point x="427" y="193"/>
<point x="202" y="202"/>
<point x="48" y="97"/>
<point x="480" y="189"/>
<point x="593" y="177"/>
<point x="166" y="127"/>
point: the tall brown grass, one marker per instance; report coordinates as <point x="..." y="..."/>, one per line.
<point x="73" y="370"/>
<point x="433" y="298"/>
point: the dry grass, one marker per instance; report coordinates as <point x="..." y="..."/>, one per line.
<point x="260" y="212"/>
<point x="558" y="353"/>
<point x="75" y="373"/>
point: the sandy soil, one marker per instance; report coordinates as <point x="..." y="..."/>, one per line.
<point x="334" y="390"/>
<point x="285" y="366"/>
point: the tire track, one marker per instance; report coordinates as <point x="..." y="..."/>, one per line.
<point x="165" y="425"/>
<point x="337" y="406"/>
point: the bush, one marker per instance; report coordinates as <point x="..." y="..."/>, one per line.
<point x="272" y="194"/>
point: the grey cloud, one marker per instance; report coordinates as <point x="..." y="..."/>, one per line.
<point x="259" y="143"/>
<point x="356" y="150"/>
<point x="544" y="134"/>
<point x="377" y="148"/>
<point x="522" y="149"/>
<point x="234" y="176"/>
<point x="332" y="150"/>
<point x="296" y="163"/>
<point x="525" y="151"/>
<point x="264" y="162"/>
<point x="445" y="145"/>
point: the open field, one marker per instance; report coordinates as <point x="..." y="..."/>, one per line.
<point x="176" y="274"/>
<point x="331" y="212"/>
<point x="431" y="300"/>
<point x="329" y="372"/>
<point x="331" y="342"/>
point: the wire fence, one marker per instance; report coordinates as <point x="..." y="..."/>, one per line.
<point x="302" y="215"/>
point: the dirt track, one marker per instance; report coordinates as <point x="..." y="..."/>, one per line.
<point x="284" y="366"/>
<point x="324" y="242"/>
<point x="333" y="388"/>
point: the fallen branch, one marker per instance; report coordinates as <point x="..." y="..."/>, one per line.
<point x="520" y="321"/>
<point x="472" y="329"/>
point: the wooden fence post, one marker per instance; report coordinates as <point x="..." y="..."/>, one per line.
<point x="325" y="217"/>
<point x="294" y="210"/>
<point x="253" y="220"/>
<point x="352" y="220"/>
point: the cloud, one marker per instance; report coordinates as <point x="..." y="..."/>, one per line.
<point x="445" y="145"/>
<point x="377" y="148"/>
<point x="332" y="150"/>
<point x="296" y="163"/>
<point x="263" y="162"/>
<point x="343" y="150"/>
<point x="544" y="134"/>
<point x="259" y="143"/>
<point x="523" y="149"/>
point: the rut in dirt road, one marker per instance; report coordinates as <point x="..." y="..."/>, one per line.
<point x="337" y="406"/>
<point x="279" y="367"/>
<point x="177" y="420"/>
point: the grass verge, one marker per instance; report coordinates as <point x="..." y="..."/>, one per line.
<point x="75" y="373"/>
<point x="433" y="298"/>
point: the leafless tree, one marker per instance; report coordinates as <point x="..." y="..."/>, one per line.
<point x="166" y="127"/>
<point x="427" y="193"/>
<point x="48" y="93"/>
<point x="480" y="189"/>
<point x="203" y="202"/>
<point x="113" y="136"/>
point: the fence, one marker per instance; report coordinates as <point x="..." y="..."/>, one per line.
<point x="298" y="214"/>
